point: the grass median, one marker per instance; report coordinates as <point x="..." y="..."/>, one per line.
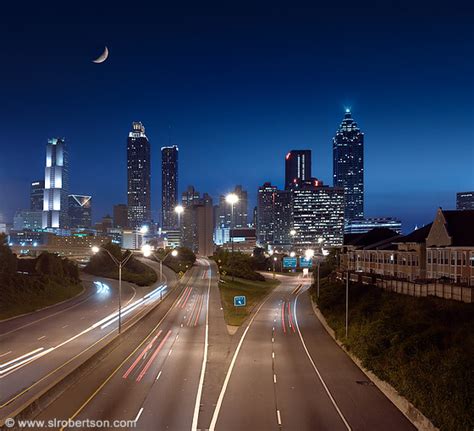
<point x="254" y="292"/>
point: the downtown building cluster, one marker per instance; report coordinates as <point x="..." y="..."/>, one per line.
<point x="306" y="213"/>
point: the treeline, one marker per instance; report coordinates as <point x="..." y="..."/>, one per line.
<point x="241" y="265"/>
<point x="27" y="284"/>
<point x="134" y="271"/>
<point x="423" y="347"/>
<point x="181" y="262"/>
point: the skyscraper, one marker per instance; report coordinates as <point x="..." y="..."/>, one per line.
<point x="56" y="184"/>
<point x="297" y="167"/>
<point x="169" y="186"/>
<point x="348" y="166"/>
<point x="241" y="208"/>
<point x="37" y="195"/>
<point x="318" y="212"/>
<point x="265" y="213"/>
<point x="80" y="211"/>
<point x="138" y="177"/>
<point x="283" y="217"/>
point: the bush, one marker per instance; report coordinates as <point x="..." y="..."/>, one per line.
<point x="424" y="347"/>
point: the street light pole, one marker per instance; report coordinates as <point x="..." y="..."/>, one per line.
<point x="347" y="303"/>
<point x="318" y="280"/>
<point x="120" y="264"/>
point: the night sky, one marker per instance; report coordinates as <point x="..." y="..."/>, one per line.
<point x="236" y="87"/>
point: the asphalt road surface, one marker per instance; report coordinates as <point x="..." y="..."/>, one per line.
<point x="280" y="371"/>
<point x="156" y="374"/>
<point x="288" y="373"/>
<point x="38" y="347"/>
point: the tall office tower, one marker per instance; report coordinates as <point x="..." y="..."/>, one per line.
<point x="138" y="177"/>
<point x="348" y="166"/>
<point x="80" y="211"/>
<point x="37" y="195"/>
<point x="465" y="201"/>
<point x="241" y="208"/>
<point x="120" y="216"/>
<point x="56" y="185"/>
<point x="265" y="213"/>
<point x="318" y="212"/>
<point x="297" y="167"/>
<point x="282" y="218"/>
<point x="197" y="222"/>
<point x="169" y="186"/>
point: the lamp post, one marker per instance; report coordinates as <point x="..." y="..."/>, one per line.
<point x="347" y="302"/>
<point x="274" y="264"/>
<point x="120" y="264"/>
<point x="232" y="199"/>
<point x="173" y="253"/>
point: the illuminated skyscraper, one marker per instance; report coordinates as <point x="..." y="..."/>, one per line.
<point x="266" y="213"/>
<point x="318" y="212"/>
<point x="297" y="167"/>
<point x="169" y="187"/>
<point x="138" y="177"/>
<point x="56" y="185"/>
<point x="37" y="195"/>
<point x="348" y="166"/>
<point x="80" y="211"/>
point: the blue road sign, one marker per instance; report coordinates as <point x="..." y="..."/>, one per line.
<point x="306" y="263"/>
<point x="289" y="262"/>
<point x="240" y="301"/>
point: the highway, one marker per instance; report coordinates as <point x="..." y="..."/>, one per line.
<point x="288" y="373"/>
<point x="156" y="374"/>
<point x="39" y="347"/>
<point x="280" y="371"/>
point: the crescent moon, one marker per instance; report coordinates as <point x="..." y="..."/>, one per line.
<point x="102" y="57"/>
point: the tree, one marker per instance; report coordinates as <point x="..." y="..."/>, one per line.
<point x="8" y="261"/>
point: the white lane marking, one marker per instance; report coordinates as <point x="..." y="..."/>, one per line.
<point x="273" y="329"/>
<point x="278" y="417"/>
<point x="177" y="336"/>
<point x="204" y="359"/>
<point x="273" y="339"/>
<point x="181" y="325"/>
<point x="273" y="355"/>
<point x="6" y="353"/>
<point x="316" y="368"/>
<point x="274" y="378"/>
<point x="138" y="415"/>
<point x="215" y="415"/>
<point x="169" y="354"/>
<point x="40" y="338"/>
<point x="65" y="326"/>
<point x="158" y="376"/>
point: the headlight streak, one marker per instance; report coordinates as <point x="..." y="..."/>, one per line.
<point x="17" y="363"/>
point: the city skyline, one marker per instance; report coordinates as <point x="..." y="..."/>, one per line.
<point x="249" y="104"/>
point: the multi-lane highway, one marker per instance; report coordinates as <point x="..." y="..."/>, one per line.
<point x="155" y="377"/>
<point x="178" y="369"/>
<point x="40" y="347"/>
<point x="287" y="373"/>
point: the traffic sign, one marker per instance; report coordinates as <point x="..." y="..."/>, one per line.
<point x="240" y="301"/>
<point x="306" y="263"/>
<point x="289" y="262"/>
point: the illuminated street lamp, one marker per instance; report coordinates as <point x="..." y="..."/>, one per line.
<point x="173" y="253"/>
<point x="292" y="254"/>
<point x="144" y="230"/>
<point x="292" y="232"/>
<point x="274" y="264"/>
<point x="232" y="199"/>
<point x="120" y="264"/>
<point x="179" y="209"/>
<point x="146" y="250"/>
